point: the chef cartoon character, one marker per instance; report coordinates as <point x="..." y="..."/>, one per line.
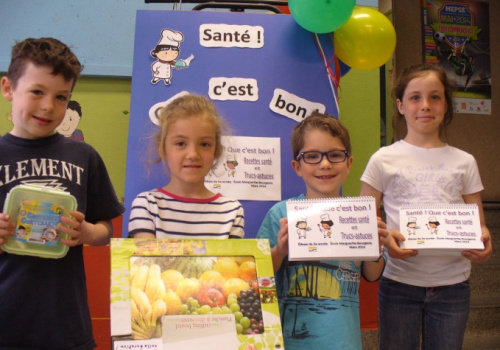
<point x="325" y="226"/>
<point x="433" y="225"/>
<point x="412" y="225"/>
<point x="230" y="165"/>
<point x="302" y="227"/>
<point x="167" y="51"/>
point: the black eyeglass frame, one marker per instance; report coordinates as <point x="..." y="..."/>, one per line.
<point x="323" y="154"/>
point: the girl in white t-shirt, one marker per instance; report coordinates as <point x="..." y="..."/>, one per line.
<point x="422" y="298"/>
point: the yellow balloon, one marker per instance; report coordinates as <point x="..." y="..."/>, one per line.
<point x="366" y="41"/>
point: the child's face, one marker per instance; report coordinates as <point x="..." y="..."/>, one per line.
<point x="39" y="101"/>
<point x="323" y="179"/>
<point x="69" y="123"/>
<point x="423" y="105"/>
<point x="190" y="151"/>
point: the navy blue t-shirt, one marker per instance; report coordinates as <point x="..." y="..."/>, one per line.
<point x="43" y="302"/>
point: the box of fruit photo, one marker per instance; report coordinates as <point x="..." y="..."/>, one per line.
<point x="188" y="294"/>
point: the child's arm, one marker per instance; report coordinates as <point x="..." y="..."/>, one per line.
<point x="280" y="250"/>
<point x="372" y="270"/>
<point x="144" y="235"/>
<point x="476" y="255"/>
<point x="6" y="229"/>
<point x="83" y="232"/>
<point x="394" y="236"/>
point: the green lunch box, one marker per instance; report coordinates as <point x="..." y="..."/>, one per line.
<point x="36" y="211"/>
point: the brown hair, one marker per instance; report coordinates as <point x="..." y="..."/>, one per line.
<point x="318" y="121"/>
<point x="187" y="106"/>
<point x="418" y="71"/>
<point x="47" y="52"/>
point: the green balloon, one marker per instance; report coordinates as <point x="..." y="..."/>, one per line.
<point x="321" y="16"/>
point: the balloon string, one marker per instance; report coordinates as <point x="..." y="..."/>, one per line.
<point x="337" y="64"/>
<point x="332" y="76"/>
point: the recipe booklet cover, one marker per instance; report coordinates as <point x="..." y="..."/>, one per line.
<point x="440" y="229"/>
<point x="343" y="228"/>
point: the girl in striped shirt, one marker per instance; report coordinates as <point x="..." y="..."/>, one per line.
<point x="189" y="143"/>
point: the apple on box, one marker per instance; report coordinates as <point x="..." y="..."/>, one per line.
<point x="211" y="297"/>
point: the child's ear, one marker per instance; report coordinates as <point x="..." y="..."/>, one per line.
<point x="399" y="104"/>
<point x="296" y="167"/>
<point x="6" y="88"/>
<point x="349" y="161"/>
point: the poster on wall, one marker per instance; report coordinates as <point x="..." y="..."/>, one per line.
<point x="457" y="37"/>
<point x="263" y="72"/>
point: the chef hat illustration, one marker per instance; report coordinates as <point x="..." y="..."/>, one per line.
<point x="433" y="220"/>
<point x="231" y="157"/>
<point x="412" y="220"/>
<point x="301" y="219"/>
<point x="171" y="38"/>
<point x="325" y="217"/>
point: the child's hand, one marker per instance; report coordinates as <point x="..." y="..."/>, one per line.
<point x="392" y="245"/>
<point x="382" y="231"/>
<point x="84" y="232"/>
<point x="280" y="250"/>
<point x="76" y="228"/>
<point x="6" y="229"/>
<point x="282" y="240"/>
<point x="476" y="255"/>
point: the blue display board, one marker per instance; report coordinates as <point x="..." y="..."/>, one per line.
<point x="263" y="65"/>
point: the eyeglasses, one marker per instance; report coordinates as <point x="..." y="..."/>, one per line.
<point x="316" y="157"/>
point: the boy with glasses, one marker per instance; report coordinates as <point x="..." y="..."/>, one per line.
<point x="329" y="320"/>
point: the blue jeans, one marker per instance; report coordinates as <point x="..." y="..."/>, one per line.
<point x="408" y="314"/>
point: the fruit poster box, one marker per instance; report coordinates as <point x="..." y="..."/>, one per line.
<point x="193" y="294"/>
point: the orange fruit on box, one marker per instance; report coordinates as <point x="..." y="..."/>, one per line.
<point x="171" y="278"/>
<point x="212" y="279"/>
<point x="227" y="267"/>
<point x="247" y="271"/>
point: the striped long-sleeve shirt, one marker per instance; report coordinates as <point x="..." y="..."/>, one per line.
<point x="169" y="216"/>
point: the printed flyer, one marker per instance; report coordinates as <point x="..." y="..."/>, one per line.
<point x="333" y="229"/>
<point x="457" y="37"/>
<point x="250" y="169"/>
<point x="440" y="229"/>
